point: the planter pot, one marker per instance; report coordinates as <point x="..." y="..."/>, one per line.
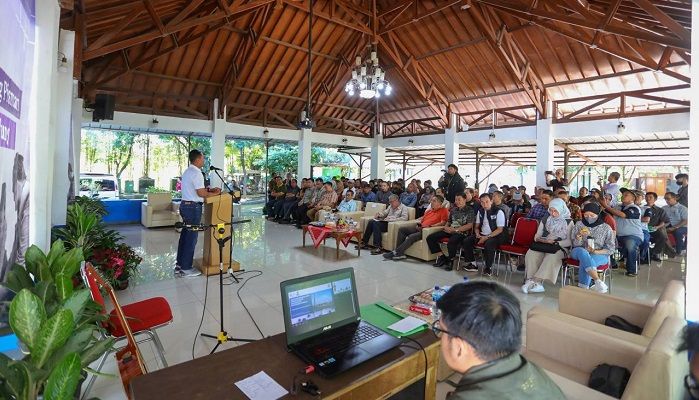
<point x="121" y="284"/>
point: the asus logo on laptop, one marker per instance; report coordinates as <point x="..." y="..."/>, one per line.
<point x="325" y="328"/>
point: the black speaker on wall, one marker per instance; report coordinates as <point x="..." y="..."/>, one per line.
<point x="103" y="107"/>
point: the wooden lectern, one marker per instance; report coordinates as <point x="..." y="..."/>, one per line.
<point x="217" y="210"/>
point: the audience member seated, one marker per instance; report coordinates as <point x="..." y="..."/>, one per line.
<point x="628" y="228"/>
<point x="409" y="197"/>
<point x="644" y="248"/>
<point x="490" y="232"/>
<point x="310" y="197"/>
<point x="397" y="188"/>
<point x="471" y="199"/>
<point x="327" y="201"/>
<point x="481" y="337"/>
<point x="367" y="196"/>
<point x="283" y="205"/>
<point x="677" y="213"/>
<point x="277" y="194"/>
<point x="395" y="212"/>
<point x="383" y="193"/>
<point x="518" y="204"/>
<point x="458" y="227"/>
<point x="498" y="197"/>
<point x="541" y="209"/>
<point x="424" y="202"/>
<point x="574" y="208"/>
<point x="347" y="204"/>
<point x="682" y="180"/>
<point x="582" y="193"/>
<point x="657" y="220"/>
<point x="593" y="243"/>
<point x="407" y="235"/>
<point x="553" y="231"/>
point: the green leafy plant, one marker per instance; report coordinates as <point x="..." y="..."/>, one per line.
<point x="91" y="205"/>
<point x="56" y="322"/>
<point x="85" y="230"/>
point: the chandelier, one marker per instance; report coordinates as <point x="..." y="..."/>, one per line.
<point x="368" y="79"/>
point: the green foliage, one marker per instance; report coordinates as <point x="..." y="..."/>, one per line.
<point x="57" y="326"/>
<point x="91" y="205"/>
<point x="120" y="152"/>
<point x="85" y="230"/>
<point x="284" y="158"/>
<point x="154" y="189"/>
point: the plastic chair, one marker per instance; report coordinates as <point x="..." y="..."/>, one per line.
<point x="571" y="263"/>
<point x="143" y="317"/>
<point x="442" y="243"/>
<point x="514" y="218"/>
<point x="523" y="236"/>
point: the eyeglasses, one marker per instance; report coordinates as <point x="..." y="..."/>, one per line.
<point x="691" y="385"/>
<point x="438" y="331"/>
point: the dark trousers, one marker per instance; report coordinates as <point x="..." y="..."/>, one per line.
<point x="301" y="217"/>
<point x="659" y="237"/>
<point x="375" y="228"/>
<point x="271" y="204"/>
<point x="490" y="247"/>
<point x="191" y="215"/>
<point x="289" y="209"/>
<point x="680" y="235"/>
<point x="407" y="236"/>
<point x="645" y="245"/>
<point x="281" y="205"/>
<point x="455" y="240"/>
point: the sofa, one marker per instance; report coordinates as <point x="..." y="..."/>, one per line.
<point x="321" y="215"/>
<point x="369" y="211"/>
<point x="587" y="309"/>
<point x="388" y="239"/>
<point x="418" y="249"/>
<point x="158" y="210"/>
<point x="572" y="351"/>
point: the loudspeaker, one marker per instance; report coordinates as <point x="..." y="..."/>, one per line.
<point x="103" y="108"/>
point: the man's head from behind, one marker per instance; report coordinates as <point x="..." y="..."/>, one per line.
<point x="481" y="321"/>
<point x="196" y="158"/>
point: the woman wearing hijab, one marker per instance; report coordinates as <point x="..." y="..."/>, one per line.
<point x="593" y="243"/>
<point x="553" y="229"/>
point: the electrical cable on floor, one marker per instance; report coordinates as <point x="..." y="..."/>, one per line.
<point x="203" y="313"/>
<point x="424" y="353"/>
<point x="242" y="285"/>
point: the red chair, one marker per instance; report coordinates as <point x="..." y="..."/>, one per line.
<point x="525" y="230"/>
<point x="514" y="218"/>
<point x="144" y="316"/>
<point x="572" y="264"/>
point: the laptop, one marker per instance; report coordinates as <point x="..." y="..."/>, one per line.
<point x="323" y="325"/>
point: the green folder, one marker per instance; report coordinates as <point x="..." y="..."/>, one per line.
<point x="382" y="315"/>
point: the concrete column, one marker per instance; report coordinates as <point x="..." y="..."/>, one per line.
<point x="42" y="136"/>
<point x="378" y="158"/>
<point x="62" y="103"/>
<point x="544" y="149"/>
<point x="451" y="147"/>
<point x="218" y="147"/>
<point x="77" y="121"/>
<point x="692" y="276"/>
<point x="303" y="169"/>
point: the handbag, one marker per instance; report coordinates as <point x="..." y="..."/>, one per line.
<point x="609" y="379"/>
<point x="617" y="322"/>
<point x="550" y="248"/>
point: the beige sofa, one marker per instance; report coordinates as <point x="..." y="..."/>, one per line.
<point x="369" y="211"/>
<point x="588" y="310"/>
<point x="418" y="249"/>
<point x="572" y="351"/>
<point x="322" y="214"/>
<point x="388" y="239"/>
<point x="158" y="210"/>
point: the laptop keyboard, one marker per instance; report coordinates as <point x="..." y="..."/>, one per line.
<point x="338" y="343"/>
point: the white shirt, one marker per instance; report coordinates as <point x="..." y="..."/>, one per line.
<point x="485" y="226"/>
<point x="614" y="190"/>
<point x="192" y="179"/>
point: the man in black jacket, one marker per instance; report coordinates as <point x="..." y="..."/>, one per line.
<point x="452" y="182"/>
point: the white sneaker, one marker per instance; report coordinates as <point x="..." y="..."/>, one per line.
<point x="528" y="284"/>
<point x="683" y="253"/>
<point x="536" y="288"/>
<point x="601" y="287"/>
<point x="190" y="273"/>
<point x="583" y="286"/>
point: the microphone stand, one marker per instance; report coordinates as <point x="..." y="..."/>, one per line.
<point x="230" y="250"/>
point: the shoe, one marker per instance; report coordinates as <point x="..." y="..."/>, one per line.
<point x="178" y="271"/>
<point x="683" y="253"/>
<point x="399" y="257"/>
<point x="191" y="273"/>
<point x="527" y="284"/>
<point x="521" y="268"/>
<point x="583" y="286"/>
<point x="644" y="261"/>
<point x="488" y="271"/>
<point x="441" y="260"/>
<point x="655" y="258"/>
<point x="536" y="288"/>
<point x="362" y="247"/>
<point x="631" y="274"/>
<point x="298" y="226"/>
<point x="470" y="267"/>
<point x="285" y="221"/>
<point x="377" y="251"/>
<point x="600" y="287"/>
<point x="448" y="267"/>
<point x="388" y="255"/>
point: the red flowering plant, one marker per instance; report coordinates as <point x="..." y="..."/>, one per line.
<point x="116" y="264"/>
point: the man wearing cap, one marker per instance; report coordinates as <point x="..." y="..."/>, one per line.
<point x="518" y="204"/>
<point x="452" y="183"/>
<point x="629" y="228"/>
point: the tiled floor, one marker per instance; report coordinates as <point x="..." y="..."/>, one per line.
<point x="276" y="251"/>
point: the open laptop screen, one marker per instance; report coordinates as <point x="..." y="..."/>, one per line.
<point x="318" y="303"/>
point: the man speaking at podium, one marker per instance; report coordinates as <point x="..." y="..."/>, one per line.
<point x="193" y="193"/>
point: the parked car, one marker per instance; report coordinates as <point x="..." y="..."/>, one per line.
<point x="103" y="186"/>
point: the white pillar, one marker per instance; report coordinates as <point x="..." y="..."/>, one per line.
<point x="42" y="130"/>
<point x="544" y="149"/>
<point x="378" y="158"/>
<point x="303" y="169"/>
<point x="77" y="120"/>
<point x="218" y="150"/>
<point x="62" y="103"/>
<point x="451" y="148"/>
<point x="692" y="276"/>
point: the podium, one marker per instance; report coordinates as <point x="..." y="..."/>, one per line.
<point x="217" y="210"/>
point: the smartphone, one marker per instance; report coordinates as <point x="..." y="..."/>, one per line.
<point x="591" y="243"/>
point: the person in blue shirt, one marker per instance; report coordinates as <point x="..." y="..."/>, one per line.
<point x="367" y="196"/>
<point x="348" y="204"/>
<point x="409" y="197"/>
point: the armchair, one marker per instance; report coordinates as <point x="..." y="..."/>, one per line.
<point x="158" y="210"/>
<point x="388" y="239"/>
<point x="418" y="249"/>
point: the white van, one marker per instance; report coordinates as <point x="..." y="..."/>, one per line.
<point x="102" y="186"/>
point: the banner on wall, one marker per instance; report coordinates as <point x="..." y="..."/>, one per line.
<point x="17" y="29"/>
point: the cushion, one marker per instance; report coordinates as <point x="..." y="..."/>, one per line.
<point x="141" y="315"/>
<point x="514" y="249"/>
<point x="163" y="215"/>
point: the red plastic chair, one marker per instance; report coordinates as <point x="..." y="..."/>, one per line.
<point x="572" y="264"/>
<point x="144" y="316"/>
<point x="514" y="218"/>
<point x="523" y="236"/>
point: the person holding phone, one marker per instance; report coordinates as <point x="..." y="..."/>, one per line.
<point x="593" y="243"/>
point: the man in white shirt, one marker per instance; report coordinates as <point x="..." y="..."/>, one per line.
<point x="490" y="232"/>
<point x="612" y="187"/>
<point x="193" y="194"/>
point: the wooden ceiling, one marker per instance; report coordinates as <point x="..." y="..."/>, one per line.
<point x="173" y="57"/>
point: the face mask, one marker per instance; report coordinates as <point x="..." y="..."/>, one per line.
<point x="590" y="220"/>
<point x="679" y="183"/>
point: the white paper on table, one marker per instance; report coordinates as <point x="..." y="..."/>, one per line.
<point x="407" y="324"/>
<point x="261" y="387"/>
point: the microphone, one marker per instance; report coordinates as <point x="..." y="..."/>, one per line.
<point x="212" y="168"/>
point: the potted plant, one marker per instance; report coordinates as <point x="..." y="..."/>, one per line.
<point x="56" y="325"/>
<point x="117" y="264"/>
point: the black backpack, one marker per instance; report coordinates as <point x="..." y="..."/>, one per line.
<point x="617" y="322"/>
<point x="609" y="379"/>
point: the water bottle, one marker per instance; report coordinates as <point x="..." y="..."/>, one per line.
<point x="465" y="279"/>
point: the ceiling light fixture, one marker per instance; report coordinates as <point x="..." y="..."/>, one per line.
<point x="368" y="78"/>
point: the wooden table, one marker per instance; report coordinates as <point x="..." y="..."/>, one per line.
<point x="213" y="376"/>
<point x="338" y="236"/>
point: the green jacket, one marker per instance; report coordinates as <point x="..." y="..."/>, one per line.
<point x="512" y="377"/>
